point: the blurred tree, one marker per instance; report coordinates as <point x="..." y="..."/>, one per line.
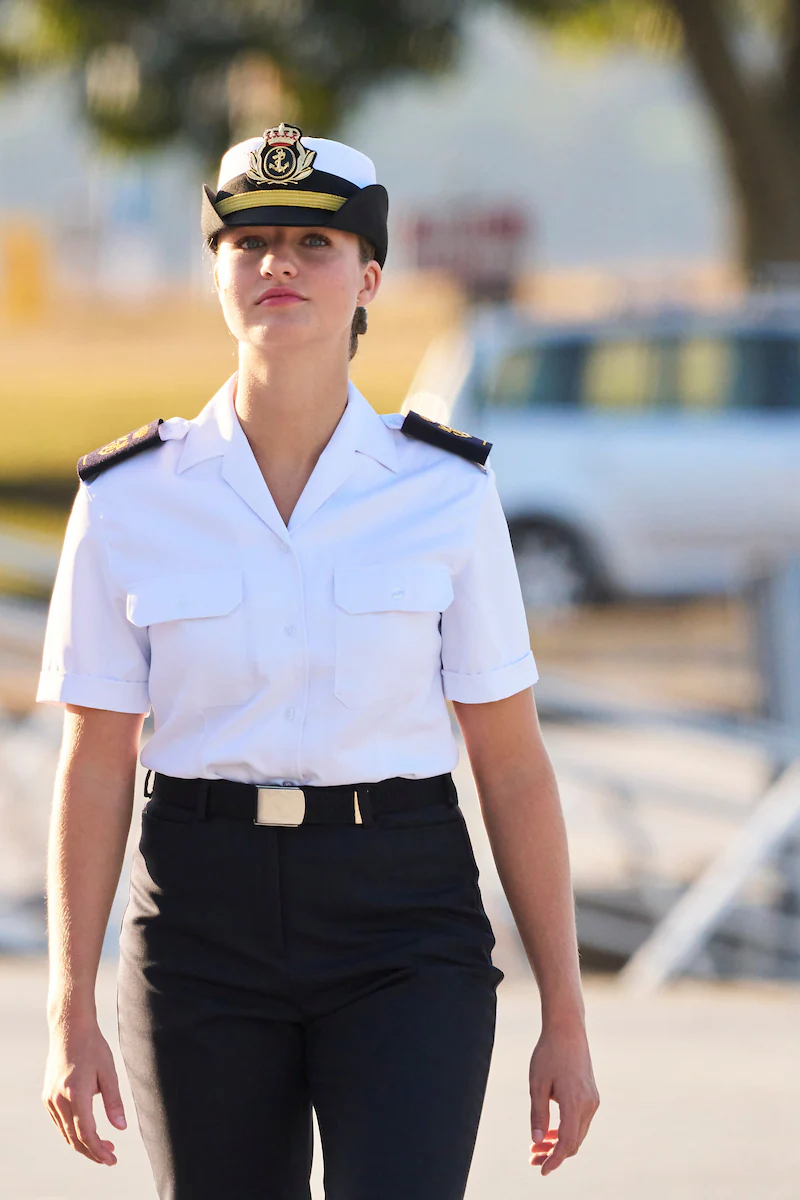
<point x="745" y="56"/>
<point x="211" y="70"/>
<point x="152" y="69"/>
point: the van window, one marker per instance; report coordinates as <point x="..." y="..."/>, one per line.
<point x="752" y="371"/>
<point x="535" y="376"/>
<point x="768" y="374"/>
<point x="695" y="373"/>
<point x="622" y="375"/>
<point x="705" y="370"/>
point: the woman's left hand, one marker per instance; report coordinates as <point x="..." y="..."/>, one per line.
<point x="561" y="1070"/>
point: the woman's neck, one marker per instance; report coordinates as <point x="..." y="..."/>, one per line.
<point x="289" y="407"/>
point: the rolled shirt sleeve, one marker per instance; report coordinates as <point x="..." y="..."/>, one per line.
<point x="486" y="652"/>
<point x="92" y="654"/>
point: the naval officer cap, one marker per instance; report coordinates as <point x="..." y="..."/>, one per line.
<point x="284" y="178"/>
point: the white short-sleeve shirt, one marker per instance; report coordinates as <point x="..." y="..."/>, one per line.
<point x="320" y="652"/>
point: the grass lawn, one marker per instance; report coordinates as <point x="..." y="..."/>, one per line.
<point x="90" y="370"/>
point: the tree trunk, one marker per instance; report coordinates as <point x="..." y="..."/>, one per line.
<point x="759" y="141"/>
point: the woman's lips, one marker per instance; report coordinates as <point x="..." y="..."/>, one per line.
<point x="278" y="297"/>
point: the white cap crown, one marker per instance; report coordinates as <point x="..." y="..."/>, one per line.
<point x="334" y="157"/>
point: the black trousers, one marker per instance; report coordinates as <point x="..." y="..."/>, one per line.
<point x="267" y="970"/>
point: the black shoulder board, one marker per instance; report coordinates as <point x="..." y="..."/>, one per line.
<point x="90" y="465"/>
<point x="473" y="448"/>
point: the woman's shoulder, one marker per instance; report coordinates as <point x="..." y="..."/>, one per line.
<point x="153" y="435"/>
<point x="441" y="438"/>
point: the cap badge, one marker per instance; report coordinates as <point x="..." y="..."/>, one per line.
<point x="281" y="157"/>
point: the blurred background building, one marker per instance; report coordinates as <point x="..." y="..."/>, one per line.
<point x="622" y="129"/>
<point x="594" y="241"/>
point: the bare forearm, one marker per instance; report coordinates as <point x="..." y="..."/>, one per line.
<point x="524" y="821"/>
<point x="522" y="812"/>
<point x="89" y="825"/>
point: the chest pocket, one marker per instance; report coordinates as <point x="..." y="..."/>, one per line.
<point x="388" y="645"/>
<point x="200" y="652"/>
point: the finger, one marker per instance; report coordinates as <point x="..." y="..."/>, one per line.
<point x="567" y="1143"/>
<point x="586" y="1120"/>
<point x="56" y="1119"/>
<point x="64" y="1110"/>
<point x="86" y="1129"/>
<point x="112" y="1100"/>
<point x="591" y="1108"/>
<point x="540" y="1107"/>
<point x="562" y="1150"/>
<point x="540" y="1150"/>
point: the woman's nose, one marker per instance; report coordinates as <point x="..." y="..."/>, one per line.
<point x="275" y="263"/>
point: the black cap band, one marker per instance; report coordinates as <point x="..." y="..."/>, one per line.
<point x="324" y="199"/>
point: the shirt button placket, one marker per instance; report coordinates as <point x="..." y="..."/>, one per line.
<point x="291" y="630"/>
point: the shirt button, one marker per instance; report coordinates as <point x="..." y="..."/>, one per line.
<point x="289" y="714"/>
<point x="285" y="548"/>
<point x="397" y="593"/>
<point x="291" y="630"/>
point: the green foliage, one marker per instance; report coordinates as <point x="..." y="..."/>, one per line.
<point x="646" y="24"/>
<point x="212" y="71"/>
<point x="155" y="69"/>
<point x="649" y="24"/>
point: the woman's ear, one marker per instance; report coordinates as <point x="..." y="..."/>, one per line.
<point x="371" y="284"/>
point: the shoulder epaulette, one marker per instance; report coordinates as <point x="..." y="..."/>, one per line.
<point x="90" y="465"/>
<point x="473" y="448"/>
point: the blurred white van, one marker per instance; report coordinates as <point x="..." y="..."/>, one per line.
<point x="642" y="456"/>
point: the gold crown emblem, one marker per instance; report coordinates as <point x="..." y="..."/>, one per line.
<point x="282" y="135"/>
<point x="281" y="157"/>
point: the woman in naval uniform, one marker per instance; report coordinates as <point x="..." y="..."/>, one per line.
<point x="296" y="585"/>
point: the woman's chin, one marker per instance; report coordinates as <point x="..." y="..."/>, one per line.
<point x="278" y="334"/>
<point x="284" y="336"/>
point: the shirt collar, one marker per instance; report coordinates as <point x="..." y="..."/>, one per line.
<point x="216" y="428"/>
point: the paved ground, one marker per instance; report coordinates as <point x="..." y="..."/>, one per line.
<point x="700" y="1086"/>
<point x="701" y="1092"/>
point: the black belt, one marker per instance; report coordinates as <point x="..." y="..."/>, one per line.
<point x="339" y="804"/>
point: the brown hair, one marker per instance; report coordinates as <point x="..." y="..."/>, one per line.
<point x="366" y="252"/>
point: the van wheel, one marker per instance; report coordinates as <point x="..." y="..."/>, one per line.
<point x="554" y="569"/>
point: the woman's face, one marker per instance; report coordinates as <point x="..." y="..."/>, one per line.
<point x="290" y="285"/>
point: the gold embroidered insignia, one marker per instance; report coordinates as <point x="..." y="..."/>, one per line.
<point x="465" y="444"/>
<point x="458" y="432"/>
<point x="146" y="436"/>
<point x="281" y="157"/>
<point x="112" y="447"/>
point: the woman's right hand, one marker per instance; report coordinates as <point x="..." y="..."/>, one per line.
<point x="79" y="1065"/>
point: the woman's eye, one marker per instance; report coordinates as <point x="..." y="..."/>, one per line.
<point x="319" y="238"/>
<point x="246" y="243"/>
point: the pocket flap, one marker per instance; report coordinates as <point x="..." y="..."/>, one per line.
<point x="189" y="594"/>
<point x="404" y="587"/>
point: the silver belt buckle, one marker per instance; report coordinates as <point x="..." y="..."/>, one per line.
<point x="280" y="806"/>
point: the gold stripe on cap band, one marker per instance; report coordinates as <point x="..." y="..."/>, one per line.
<point x="324" y="200"/>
